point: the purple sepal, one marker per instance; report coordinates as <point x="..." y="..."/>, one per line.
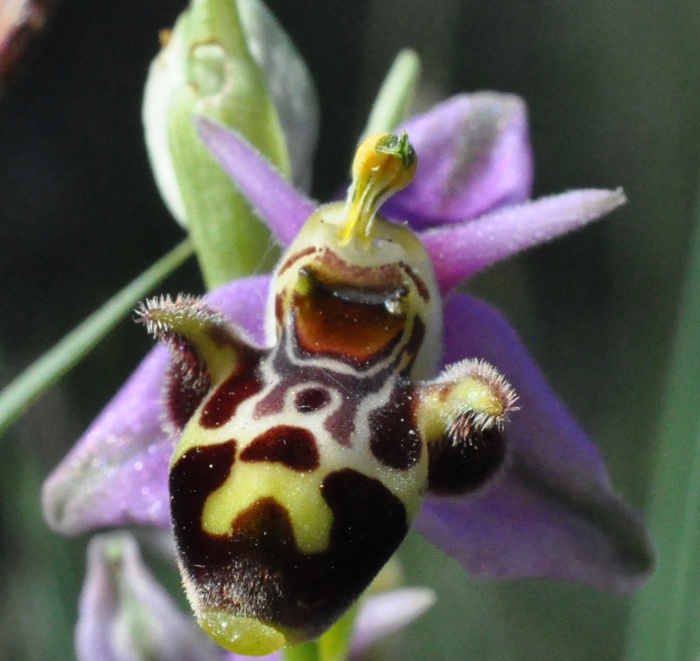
<point x="283" y="208"/>
<point x="552" y="511"/>
<point x="125" y="613"/>
<point x="117" y="473"/>
<point x="459" y="251"/>
<point x="474" y="155"/>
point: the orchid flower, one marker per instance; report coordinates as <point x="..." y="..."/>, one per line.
<point x="550" y="509"/>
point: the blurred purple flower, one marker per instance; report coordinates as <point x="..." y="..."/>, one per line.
<point x="19" y="21"/>
<point x="552" y="512"/>
<point x="125" y="614"/>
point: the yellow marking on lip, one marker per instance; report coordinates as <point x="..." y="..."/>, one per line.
<point x="299" y="493"/>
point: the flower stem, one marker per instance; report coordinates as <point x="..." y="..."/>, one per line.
<point x="664" y="615"/>
<point x="333" y="645"/>
<point x="304" y="652"/>
<point x="45" y="371"/>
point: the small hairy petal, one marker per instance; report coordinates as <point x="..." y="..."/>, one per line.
<point x="552" y="511"/>
<point x="473" y="156"/>
<point x="125" y="614"/>
<point x="117" y="473"/>
<point x="283" y="208"/>
<point x="459" y="251"/>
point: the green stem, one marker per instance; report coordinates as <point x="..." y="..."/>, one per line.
<point x="305" y="652"/>
<point x="45" y="371"/>
<point x="664" y="615"/>
<point x="334" y="645"/>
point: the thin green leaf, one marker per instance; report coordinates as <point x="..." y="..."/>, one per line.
<point x="44" y="372"/>
<point x="392" y="105"/>
<point x="665" y="614"/>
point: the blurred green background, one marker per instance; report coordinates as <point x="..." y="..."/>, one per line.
<point x="614" y="101"/>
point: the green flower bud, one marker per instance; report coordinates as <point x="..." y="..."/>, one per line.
<point x="207" y="68"/>
<point x="290" y="85"/>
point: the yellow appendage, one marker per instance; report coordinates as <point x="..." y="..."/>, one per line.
<point x="242" y="635"/>
<point x="383" y="165"/>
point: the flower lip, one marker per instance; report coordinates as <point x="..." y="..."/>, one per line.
<point x="514" y="529"/>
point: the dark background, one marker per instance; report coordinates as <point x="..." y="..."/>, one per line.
<point x="613" y="98"/>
